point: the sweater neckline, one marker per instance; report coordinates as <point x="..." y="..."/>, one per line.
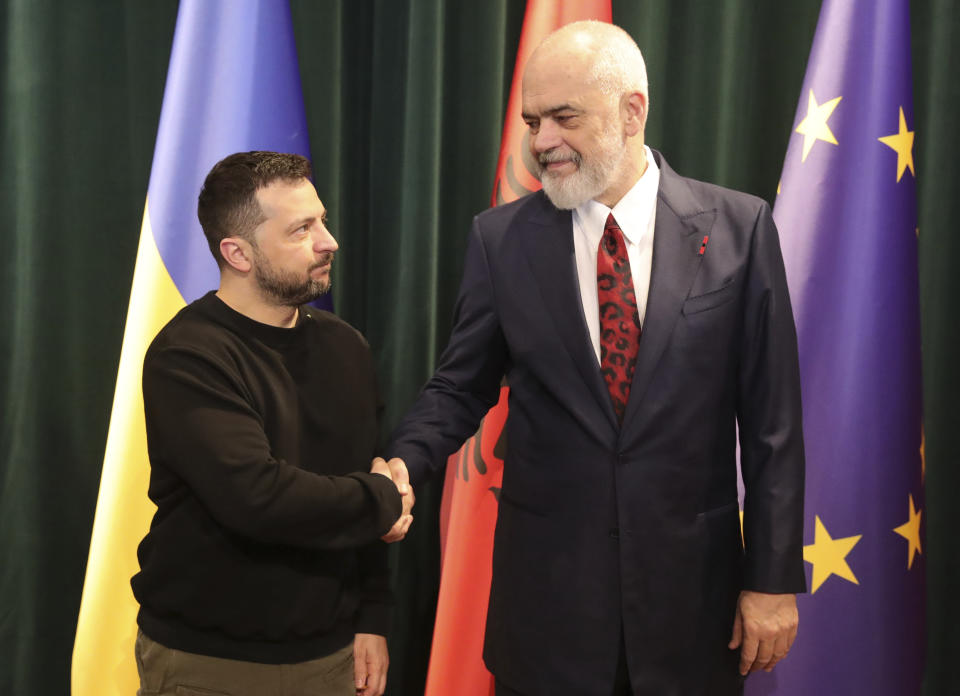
<point x="243" y="324"/>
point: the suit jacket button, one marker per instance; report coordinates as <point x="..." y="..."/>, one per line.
<point x="614" y="533"/>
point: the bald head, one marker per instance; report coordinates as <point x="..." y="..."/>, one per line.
<point x="585" y="104"/>
<point x="605" y="55"/>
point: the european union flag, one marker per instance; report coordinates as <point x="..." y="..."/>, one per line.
<point x="846" y="212"/>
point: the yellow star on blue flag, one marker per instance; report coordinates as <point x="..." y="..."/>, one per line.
<point x="828" y="556"/>
<point x="814" y="126"/>
<point x="910" y="530"/>
<point x="901" y="142"/>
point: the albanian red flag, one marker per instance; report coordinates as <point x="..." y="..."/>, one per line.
<point x="472" y="487"/>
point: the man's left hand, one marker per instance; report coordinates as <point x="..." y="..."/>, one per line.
<point x="370" y="661"/>
<point x="764" y="629"/>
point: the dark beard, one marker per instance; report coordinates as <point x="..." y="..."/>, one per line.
<point x="289" y="289"/>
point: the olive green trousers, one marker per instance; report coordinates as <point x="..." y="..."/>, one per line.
<point x="167" y="672"/>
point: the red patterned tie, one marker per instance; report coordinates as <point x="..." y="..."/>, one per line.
<point x="619" y="317"/>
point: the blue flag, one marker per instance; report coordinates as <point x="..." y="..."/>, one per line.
<point x="846" y="211"/>
<point x="233" y="85"/>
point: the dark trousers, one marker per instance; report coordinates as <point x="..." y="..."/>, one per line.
<point x="622" y="686"/>
<point x="621" y="682"/>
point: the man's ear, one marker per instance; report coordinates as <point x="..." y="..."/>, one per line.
<point x="635" y="113"/>
<point x="237" y="253"/>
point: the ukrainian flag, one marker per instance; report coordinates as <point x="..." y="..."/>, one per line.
<point x="233" y="84"/>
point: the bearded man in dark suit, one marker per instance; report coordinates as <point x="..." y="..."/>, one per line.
<point x="640" y="317"/>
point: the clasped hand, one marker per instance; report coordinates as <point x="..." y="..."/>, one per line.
<point x="396" y="471"/>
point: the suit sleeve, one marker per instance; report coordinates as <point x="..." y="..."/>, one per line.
<point x="770" y="421"/>
<point x="202" y="429"/>
<point x="467" y="382"/>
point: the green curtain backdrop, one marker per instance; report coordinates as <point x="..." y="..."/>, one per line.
<point x="405" y="101"/>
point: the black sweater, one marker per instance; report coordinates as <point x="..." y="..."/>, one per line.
<point x="265" y="544"/>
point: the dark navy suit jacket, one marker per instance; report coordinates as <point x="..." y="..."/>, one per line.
<point x="607" y="531"/>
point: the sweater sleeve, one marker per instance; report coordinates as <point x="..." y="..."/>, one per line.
<point x="202" y="430"/>
<point x="376" y="596"/>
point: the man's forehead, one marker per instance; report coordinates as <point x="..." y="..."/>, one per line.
<point x="545" y="96"/>
<point x="568" y="59"/>
<point x="568" y="73"/>
<point x="283" y="195"/>
<point x="286" y="188"/>
<point x="541" y="108"/>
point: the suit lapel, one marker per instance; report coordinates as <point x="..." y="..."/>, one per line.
<point x="549" y="251"/>
<point x="680" y="227"/>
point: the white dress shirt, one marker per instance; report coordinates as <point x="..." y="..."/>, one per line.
<point x="636" y="215"/>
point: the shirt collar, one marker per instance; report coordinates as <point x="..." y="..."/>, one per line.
<point x="632" y="212"/>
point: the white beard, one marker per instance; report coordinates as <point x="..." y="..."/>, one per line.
<point x="592" y="177"/>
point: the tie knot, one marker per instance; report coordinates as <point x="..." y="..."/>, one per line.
<point x="611" y="223"/>
<point x="612" y="236"/>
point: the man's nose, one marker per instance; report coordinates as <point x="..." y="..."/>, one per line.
<point x="323" y="241"/>
<point x="547" y="137"/>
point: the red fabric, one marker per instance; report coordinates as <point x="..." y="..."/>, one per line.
<point x="619" y="317"/>
<point x="541" y="18"/>
<point x="472" y="486"/>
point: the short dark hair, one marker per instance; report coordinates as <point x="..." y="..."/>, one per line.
<point x="228" y="207"/>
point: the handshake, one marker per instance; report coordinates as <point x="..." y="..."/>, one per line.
<point x="396" y="471"/>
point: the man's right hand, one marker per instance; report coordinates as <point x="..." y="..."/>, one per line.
<point x="396" y="471"/>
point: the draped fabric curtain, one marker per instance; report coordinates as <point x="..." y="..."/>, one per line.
<point x="405" y="102"/>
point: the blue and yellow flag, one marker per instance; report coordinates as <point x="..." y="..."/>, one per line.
<point x="233" y="84"/>
<point x="846" y="211"/>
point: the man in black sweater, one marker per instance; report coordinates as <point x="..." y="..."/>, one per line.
<point x="264" y="570"/>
